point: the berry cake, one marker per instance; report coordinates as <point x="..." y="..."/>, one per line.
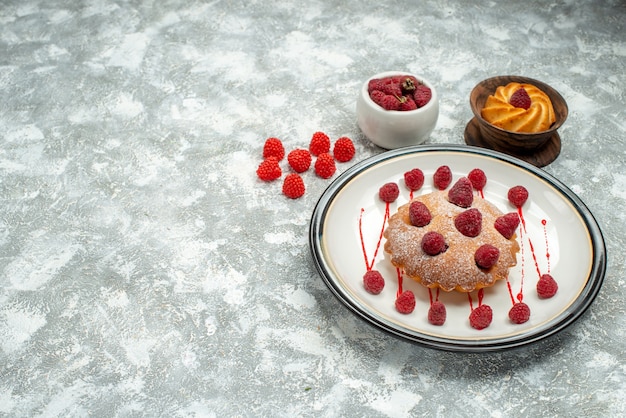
<point x="450" y="240"/>
<point x="519" y="108"/>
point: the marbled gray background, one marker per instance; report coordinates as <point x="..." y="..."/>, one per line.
<point x="144" y="269"/>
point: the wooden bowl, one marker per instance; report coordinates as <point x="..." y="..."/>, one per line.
<point x="508" y="141"/>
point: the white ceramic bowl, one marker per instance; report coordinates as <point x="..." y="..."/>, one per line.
<point x="392" y="129"/>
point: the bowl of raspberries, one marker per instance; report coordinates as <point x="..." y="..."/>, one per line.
<point x="397" y="109"/>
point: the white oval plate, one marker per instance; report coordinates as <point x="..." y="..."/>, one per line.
<point x="570" y="246"/>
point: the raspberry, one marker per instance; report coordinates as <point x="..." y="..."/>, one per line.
<point x="437" y="313"/>
<point x="442" y="177"/>
<point x="481" y="317"/>
<point x="320" y="143"/>
<point x="386" y="101"/>
<point x="419" y="214"/>
<point x="273" y="147"/>
<point x="486" y="256"/>
<point x="375" y="84"/>
<point x="519" y="313"/>
<point x="343" y="150"/>
<point x="517" y="196"/>
<point x="422" y="95"/>
<point x="461" y="193"/>
<point x="407" y="103"/>
<point x="520" y="98"/>
<point x="293" y="186"/>
<point x="325" y="165"/>
<point x="507" y="224"/>
<point x="392" y="88"/>
<point x="414" y="179"/>
<point x="269" y="169"/>
<point x="299" y="160"/>
<point x="469" y="223"/>
<point x="546" y="286"/>
<point x="373" y="282"/>
<point x="389" y="192"/>
<point x="433" y="243"/>
<point x="405" y="303"/>
<point x="478" y="178"/>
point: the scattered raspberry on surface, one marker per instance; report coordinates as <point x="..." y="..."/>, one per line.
<point x="325" y="165"/>
<point x="478" y="178"/>
<point x="519" y="313"/>
<point x="343" y="150"/>
<point x="320" y="143"/>
<point x="517" y="196"/>
<point x="481" y="317"/>
<point x="520" y="98"/>
<point x="461" y="193"/>
<point x="373" y="282"/>
<point x="405" y="303"/>
<point x="486" y="256"/>
<point x="442" y="177"/>
<point x="299" y="159"/>
<point x="547" y="286"/>
<point x="389" y="192"/>
<point x="273" y="147"/>
<point x="414" y="179"/>
<point x="469" y="222"/>
<point x="422" y="95"/>
<point x="433" y="243"/>
<point x="293" y="186"/>
<point x="437" y="313"/>
<point x="419" y="214"/>
<point x="407" y="103"/>
<point x="269" y="169"/>
<point x="507" y="224"/>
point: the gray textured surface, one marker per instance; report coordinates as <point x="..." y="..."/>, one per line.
<point x="144" y="270"/>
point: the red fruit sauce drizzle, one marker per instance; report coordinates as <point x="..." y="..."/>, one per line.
<point x="400" y="278"/>
<point x="369" y="265"/>
<point x="480" y="295"/>
<point x="430" y="296"/>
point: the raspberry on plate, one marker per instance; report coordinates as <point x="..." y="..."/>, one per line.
<point x="389" y="192"/>
<point x="320" y="143"/>
<point x="519" y="313"/>
<point x="343" y="150"/>
<point x="437" y="313"/>
<point x="325" y="165"/>
<point x="269" y="169"/>
<point x="442" y="177"/>
<point x="546" y="286"/>
<point x="373" y="282"/>
<point x="273" y="147"/>
<point x="414" y="179"/>
<point x="517" y="195"/>
<point x="478" y="178"/>
<point x="299" y="159"/>
<point x="481" y="317"/>
<point x="405" y="303"/>
<point x="293" y="186"/>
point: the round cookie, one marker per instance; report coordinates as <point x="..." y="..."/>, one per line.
<point x="455" y="268"/>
